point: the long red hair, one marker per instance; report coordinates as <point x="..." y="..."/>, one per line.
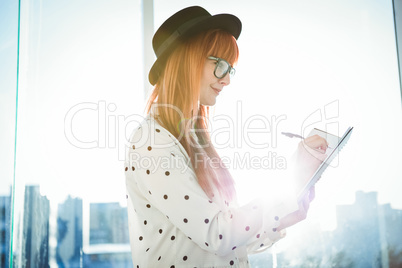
<point x="177" y="95"/>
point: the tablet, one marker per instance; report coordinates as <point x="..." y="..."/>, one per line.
<point x="335" y="144"/>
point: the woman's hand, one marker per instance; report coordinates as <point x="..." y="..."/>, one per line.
<point x="309" y="156"/>
<point x="300" y="214"/>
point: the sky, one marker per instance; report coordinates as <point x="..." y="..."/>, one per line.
<point x="303" y="64"/>
<point x="8" y="70"/>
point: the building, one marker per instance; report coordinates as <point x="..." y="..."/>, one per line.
<point x="369" y="234"/>
<point x="108" y="224"/>
<point x="5" y="212"/>
<point x="35" y="236"/>
<point x="108" y="237"/>
<point x="69" y="233"/>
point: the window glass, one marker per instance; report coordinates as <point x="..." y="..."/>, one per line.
<point x="8" y="70"/>
<point x="316" y="64"/>
<point x="80" y="83"/>
<point x="328" y="65"/>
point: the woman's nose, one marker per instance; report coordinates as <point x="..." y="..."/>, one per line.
<point x="225" y="80"/>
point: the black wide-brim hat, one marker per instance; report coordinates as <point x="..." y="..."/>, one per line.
<point x="183" y="25"/>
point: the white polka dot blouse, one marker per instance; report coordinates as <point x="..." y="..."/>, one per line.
<point x="173" y="223"/>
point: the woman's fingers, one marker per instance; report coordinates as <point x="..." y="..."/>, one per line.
<point x="316" y="153"/>
<point x="311" y="193"/>
<point x="305" y="204"/>
<point x="303" y="208"/>
<point x="316" y="142"/>
<point x="315" y="146"/>
<point x="301" y="213"/>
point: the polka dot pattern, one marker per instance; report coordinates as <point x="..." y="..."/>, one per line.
<point x="170" y="207"/>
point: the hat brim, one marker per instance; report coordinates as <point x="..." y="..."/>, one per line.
<point x="226" y="22"/>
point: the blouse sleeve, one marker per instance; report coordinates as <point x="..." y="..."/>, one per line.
<point x="163" y="174"/>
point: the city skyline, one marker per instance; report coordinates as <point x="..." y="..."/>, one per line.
<point x="295" y="59"/>
<point x="376" y="236"/>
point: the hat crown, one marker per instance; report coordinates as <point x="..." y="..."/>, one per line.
<point x="183" y="25"/>
<point x="176" y="24"/>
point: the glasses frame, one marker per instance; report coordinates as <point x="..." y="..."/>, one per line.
<point x="230" y="70"/>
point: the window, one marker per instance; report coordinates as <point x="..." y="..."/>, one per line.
<point x="80" y="78"/>
<point x="303" y="64"/>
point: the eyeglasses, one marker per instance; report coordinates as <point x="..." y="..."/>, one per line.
<point x="222" y="68"/>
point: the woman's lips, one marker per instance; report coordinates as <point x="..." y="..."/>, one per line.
<point x="217" y="90"/>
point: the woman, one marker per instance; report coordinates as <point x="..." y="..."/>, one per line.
<point x="181" y="198"/>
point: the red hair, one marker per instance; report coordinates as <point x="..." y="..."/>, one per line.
<point x="178" y="87"/>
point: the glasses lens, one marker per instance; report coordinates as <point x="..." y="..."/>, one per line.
<point x="221" y="68"/>
<point x="232" y="71"/>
